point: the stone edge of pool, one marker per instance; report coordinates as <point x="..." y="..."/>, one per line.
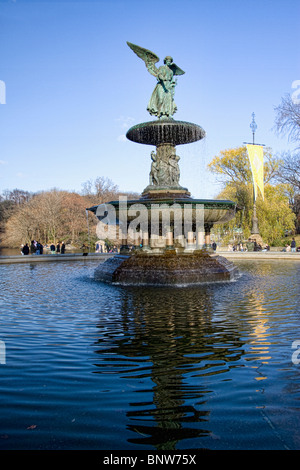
<point x="56" y="257"/>
<point x="294" y="256"/>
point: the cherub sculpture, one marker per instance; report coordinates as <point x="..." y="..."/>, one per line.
<point x="161" y="103"/>
<point x="154" y="169"/>
<point x="174" y="169"/>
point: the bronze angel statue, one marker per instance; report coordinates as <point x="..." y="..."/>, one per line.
<point x="161" y="103"/>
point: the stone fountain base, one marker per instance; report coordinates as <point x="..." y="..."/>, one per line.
<point x="168" y="269"/>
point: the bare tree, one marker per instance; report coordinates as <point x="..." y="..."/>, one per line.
<point x="287" y="122"/>
<point x="53" y="215"/>
<point x="100" y="190"/>
<point x="74" y="220"/>
<point x="40" y="219"/>
<point x="289" y="170"/>
<point x="17" y="196"/>
<point x="287" y="119"/>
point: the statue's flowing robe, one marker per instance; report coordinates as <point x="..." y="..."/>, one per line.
<point x="161" y="102"/>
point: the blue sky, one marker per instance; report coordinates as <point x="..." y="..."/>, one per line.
<point x="73" y="86"/>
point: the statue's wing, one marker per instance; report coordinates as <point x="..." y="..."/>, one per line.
<point x="147" y="56"/>
<point x="176" y="70"/>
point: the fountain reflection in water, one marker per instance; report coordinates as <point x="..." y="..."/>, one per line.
<point x="96" y="366"/>
<point x="203" y="362"/>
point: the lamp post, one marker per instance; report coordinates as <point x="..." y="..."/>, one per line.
<point x="253" y="126"/>
<point x="254" y="230"/>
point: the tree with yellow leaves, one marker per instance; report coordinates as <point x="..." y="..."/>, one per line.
<point x="274" y="213"/>
<point x="234" y="167"/>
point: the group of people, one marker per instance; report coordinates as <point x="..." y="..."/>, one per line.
<point x="258" y="247"/>
<point x="244" y="248"/>
<point x="237" y="247"/>
<point x="104" y="247"/>
<point x="36" y="248"/>
<point x="291" y="247"/>
<point x="59" y="248"/>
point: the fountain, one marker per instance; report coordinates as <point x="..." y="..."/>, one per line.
<point x="171" y="232"/>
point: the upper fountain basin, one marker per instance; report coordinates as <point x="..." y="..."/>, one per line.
<point x="165" y="131"/>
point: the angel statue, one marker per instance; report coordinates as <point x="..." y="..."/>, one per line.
<point x="161" y="103"/>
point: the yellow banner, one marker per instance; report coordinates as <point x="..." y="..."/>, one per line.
<point x="256" y="157"/>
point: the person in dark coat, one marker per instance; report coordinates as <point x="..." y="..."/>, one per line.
<point x="25" y="249"/>
<point x="32" y="247"/>
<point x="63" y="247"/>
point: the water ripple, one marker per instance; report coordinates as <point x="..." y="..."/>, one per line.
<point x="93" y="366"/>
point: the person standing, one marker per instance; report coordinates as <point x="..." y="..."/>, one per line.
<point x="58" y="248"/>
<point x="25" y="249"/>
<point x="293" y="245"/>
<point x="63" y="247"/>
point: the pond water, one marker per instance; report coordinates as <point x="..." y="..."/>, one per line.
<point x="94" y="366"/>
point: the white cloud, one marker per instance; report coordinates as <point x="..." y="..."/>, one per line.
<point x="125" y="121"/>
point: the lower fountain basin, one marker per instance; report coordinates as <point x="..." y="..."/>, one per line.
<point x="215" y="211"/>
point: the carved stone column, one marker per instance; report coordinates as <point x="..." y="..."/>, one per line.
<point x="169" y="241"/>
<point x="145" y="238"/>
<point x="200" y="240"/>
<point x="190" y="242"/>
<point x="207" y="244"/>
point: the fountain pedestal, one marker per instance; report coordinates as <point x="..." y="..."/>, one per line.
<point x="165" y="134"/>
<point x="167" y="269"/>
